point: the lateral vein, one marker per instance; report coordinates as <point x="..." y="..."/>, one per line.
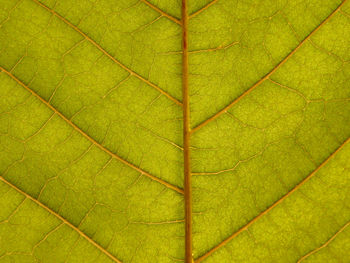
<point x="65" y="221"/>
<point x="325" y="244"/>
<point x="109" y="55"/>
<point x="168" y="185"/>
<point x="227" y="240"/>
<point x="267" y="76"/>
<point x="160" y="11"/>
<point x="202" y="9"/>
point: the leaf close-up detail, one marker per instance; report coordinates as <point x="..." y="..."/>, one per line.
<point x="174" y="131"/>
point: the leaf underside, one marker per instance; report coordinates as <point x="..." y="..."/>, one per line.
<point x="91" y="130"/>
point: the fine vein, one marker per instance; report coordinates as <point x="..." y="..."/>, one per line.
<point x="325" y="244"/>
<point x="186" y="136"/>
<point x="227" y="240"/>
<point x="224" y="110"/>
<point x="175" y="188"/>
<point x="65" y="221"/>
<point x="160" y="11"/>
<point x="109" y="55"/>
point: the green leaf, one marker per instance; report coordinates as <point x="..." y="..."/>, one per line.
<point x="117" y="116"/>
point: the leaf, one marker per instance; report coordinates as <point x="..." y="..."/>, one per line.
<point x="116" y="117"/>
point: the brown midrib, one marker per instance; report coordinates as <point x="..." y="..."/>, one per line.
<point x="186" y="127"/>
<point x="186" y="136"/>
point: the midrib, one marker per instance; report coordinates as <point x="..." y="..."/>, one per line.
<point x="186" y="136"/>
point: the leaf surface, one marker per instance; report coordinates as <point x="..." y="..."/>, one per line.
<point x="93" y="99"/>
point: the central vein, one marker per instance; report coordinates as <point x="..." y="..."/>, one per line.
<point x="186" y="136"/>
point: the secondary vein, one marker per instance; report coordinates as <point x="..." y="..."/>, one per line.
<point x="109" y="55"/>
<point x="227" y="240"/>
<point x="267" y="76"/>
<point x="160" y="11"/>
<point x="325" y="244"/>
<point x="203" y="9"/>
<point x="65" y="221"/>
<point x="168" y="185"/>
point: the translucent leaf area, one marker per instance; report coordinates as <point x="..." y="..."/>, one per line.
<point x="93" y="160"/>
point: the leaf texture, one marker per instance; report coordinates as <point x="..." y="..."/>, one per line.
<point x="169" y="131"/>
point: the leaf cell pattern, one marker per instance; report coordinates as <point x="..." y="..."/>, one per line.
<point x="167" y="131"/>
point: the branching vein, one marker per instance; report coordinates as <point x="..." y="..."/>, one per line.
<point x="248" y="91"/>
<point x="65" y="221"/>
<point x="177" y="21"/>
<point x="109" y="55"/>
<point x="325" y="244"/>
<point x="227" y="240"/>
<point x="175" y="188"/>
<point x="202" y="9"/>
